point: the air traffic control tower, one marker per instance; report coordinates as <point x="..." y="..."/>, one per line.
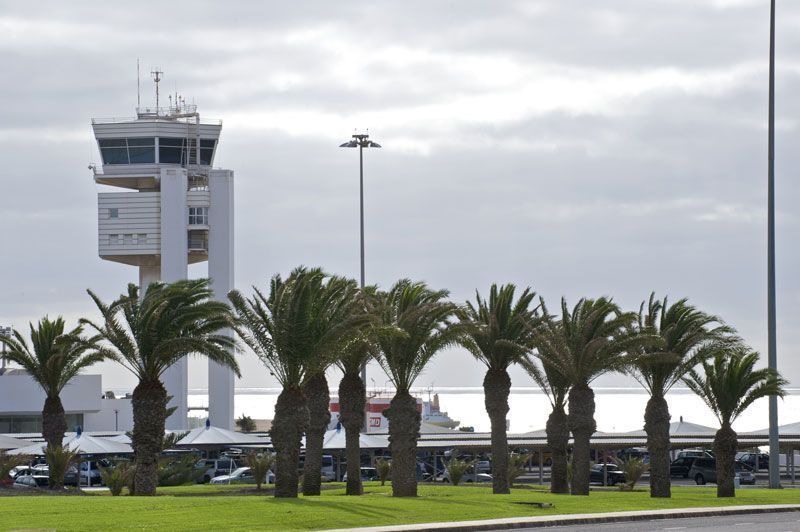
<point x="174" y="209"/>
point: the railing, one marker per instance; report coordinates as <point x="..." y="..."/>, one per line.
<point x="152" y="116"/>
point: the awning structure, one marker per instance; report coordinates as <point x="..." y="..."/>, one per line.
<point x="7" y="442"/>
<point x="788" y="431"/>
<point x="209" y="437"/>
<point x="335" y="440"/>
<point x="80" y="443"/>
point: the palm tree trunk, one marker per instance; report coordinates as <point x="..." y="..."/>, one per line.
<point x="352" y="400"/>
<point x="582" y="425"/>
<point x="54" y="423"/>
<point x="656" y="424"/>
<point x="496" y="388"/>
<point x="149" y="404"/>
<point x="557" y="441"/>
<point x="725" y="445"/>
<point x="404" y="423"/>
<point x="288" y="426"/>
<point x="318" y="400"/>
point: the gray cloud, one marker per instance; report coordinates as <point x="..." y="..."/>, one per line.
<point x="580" y="149"/>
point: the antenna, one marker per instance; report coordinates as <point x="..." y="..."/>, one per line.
<point x="138" y="90"/>
<point x="156" y="77"/>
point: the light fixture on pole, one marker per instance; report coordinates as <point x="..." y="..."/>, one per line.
<point x="772" y="357"/>
<point x="361" y="141"/>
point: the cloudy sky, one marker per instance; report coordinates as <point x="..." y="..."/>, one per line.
<point x="579" y="147"/>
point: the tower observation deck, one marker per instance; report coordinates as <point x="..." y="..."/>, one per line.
<point x="173" y="209"/>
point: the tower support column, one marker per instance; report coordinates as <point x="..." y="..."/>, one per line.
<point x="174" y="267"/>
<point x="221" y="271"/>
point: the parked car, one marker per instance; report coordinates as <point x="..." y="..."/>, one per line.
<point x="30" y="481"/>
<point x="214" y="467"/>
<point x="243" y="475"/>
<point x="754" y="460"/>
<point x="328" y="471"/>
<point x="483" y="466"/>
<point x="614" y="474"/>
<point x="680" y="466"/>
<point x="90" y="476"/>
<point x="470" y="476"/>
<point x="704" y="470"/>
<point x="43" y="471"/>
<point x="367" y="473"/>
<point x="696" y="453"/>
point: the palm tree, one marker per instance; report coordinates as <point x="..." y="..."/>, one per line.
<point x="595" y="338"/>
<point x="423" y="319"/>
<point x="499" y="332"/>
<point x="297" y="331"/>
<point x="556" y="387"/>
<point x="339" y="311"/>
<point x="684" y="334"/>
<point x="352" y="403"/>
<point x="52" y="360"/>
<point x="353" y="390"/>
<point x="728" y="385"/>
<point x="149" y="334"/>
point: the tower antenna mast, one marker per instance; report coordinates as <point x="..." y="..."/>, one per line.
<point x="156" y="77"/>
<point x="138" y="90"/>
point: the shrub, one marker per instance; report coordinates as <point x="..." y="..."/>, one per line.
<point x="383" y="467"/>
<point x="633" y="468"/>
<point x="246" y="424"/>
<point x="178" y="472"/>
<point x="117" y="477"/>
<point x="260" y="464"/>
<point x="58" y="461"/>
<point x="9" y="462"/>
<point x="516" y="466"/>
<point x="456" y="469"/>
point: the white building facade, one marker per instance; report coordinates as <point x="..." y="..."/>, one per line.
<point x="175" y="209"/>
<point x="85" y="405"/>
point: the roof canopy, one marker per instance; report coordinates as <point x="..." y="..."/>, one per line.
<point x="209" y="436"/>
<point x="80" y="443"/>
<point x="7" y="442"/>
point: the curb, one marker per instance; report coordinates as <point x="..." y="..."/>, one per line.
<point x="579" y="519"/>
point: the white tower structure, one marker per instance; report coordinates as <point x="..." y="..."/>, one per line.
<point x="176" y="210"/>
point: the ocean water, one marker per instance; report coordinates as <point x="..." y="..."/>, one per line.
<point x="616" y="409"/>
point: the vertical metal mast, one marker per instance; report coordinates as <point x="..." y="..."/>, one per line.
<point x="156" y="77"/>
<point x="772" y="358"/>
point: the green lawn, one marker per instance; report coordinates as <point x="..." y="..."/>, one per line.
<point x="224" y="508"/>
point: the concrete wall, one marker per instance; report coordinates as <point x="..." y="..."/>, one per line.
<point x="107" y="419"/>
<point x="19" y="394"/>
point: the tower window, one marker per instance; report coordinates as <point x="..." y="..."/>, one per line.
<point x="172" y="150"/>
<point x="198" y="215"/>
<point x="140" y="150"/>
<point x="113" y="213"/>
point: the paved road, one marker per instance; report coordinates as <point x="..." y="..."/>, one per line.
<point x="774" y="522"/>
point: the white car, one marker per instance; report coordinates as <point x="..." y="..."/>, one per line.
<point x="243" y="475"/>
<point x="469" y="476"/>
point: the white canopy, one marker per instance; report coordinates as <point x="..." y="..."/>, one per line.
<point x="80" y="443"/>
<point x="209" y="436"/>
<point x="335" y="440"/>
<point x="7" y="442"/>
<point x="680" y="428"/>
<point x="790" y="429"/>
<point x="120" y="438"/>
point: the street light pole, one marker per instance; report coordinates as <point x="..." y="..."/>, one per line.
<point x="772" y="357"/>
<point x="361" y="141"/>
<point x="361" y="194"/>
